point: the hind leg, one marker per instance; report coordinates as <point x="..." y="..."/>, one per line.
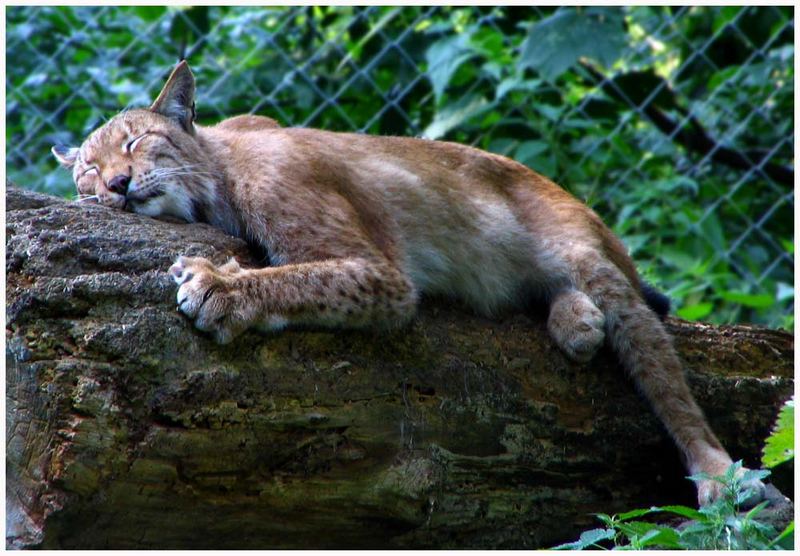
<point x="646" y="351"/>
<point x="576" y="325"/>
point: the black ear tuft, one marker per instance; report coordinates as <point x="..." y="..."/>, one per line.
<point x="176" y="99"/>
<point x="66" y="156"/>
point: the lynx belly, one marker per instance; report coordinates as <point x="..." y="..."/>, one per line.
<point x="453" y="244"/>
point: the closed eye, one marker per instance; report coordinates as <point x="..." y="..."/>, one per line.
<point x="89" y="171"/>
<point x="135" y="142"/>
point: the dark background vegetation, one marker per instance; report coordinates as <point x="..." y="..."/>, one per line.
<point x="675" y="124"/>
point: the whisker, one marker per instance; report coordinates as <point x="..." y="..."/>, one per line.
<point x="184" y="167"/>
<point x="175" y="174"/>
<point x="86" y="198"/>
<point x="156" y="174"/>
<point x="179" y="170"/>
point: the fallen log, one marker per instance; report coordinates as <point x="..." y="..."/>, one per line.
<point x="127" y="428"/>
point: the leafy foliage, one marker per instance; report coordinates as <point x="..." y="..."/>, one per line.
<point x="675" y="124"/>
<point x="718" y="526"/>
<point x="555" y="43"/>
<point x="780" y="444"/>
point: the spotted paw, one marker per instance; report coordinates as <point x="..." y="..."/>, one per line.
<point x="206" y="296"/>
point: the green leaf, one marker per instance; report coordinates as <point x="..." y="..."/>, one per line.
<point x="374" y="29"/>
<point x="675" y="184"/>
<point x="149" y="13"/>
<point x="724" y="16"/>
<point x="516" y="84"/>
<point x="189" y="23"/>
<point x="633" y="529"/>
<point x="444" y="57"/>
<point x="786" y="539"/>
<point x="663" y="537"/>
<point x="678" y="258"/>
<point x="607" y="519"/>
<point x="502" y="145"/>
<point x="552" y="113"/>
<point x="702" y="476"/>
<point x="712" y="231"/>
<point x="453" y="115"/>
<point x="756" y="301"/>
<point x="757" y="509"/>
<point x="683" y="511"/>
<point x="528" y="150"/>
<point x="587" y="539"/>
<point x="780" y="444"/>
<point x="488" y="42"/>
<point x="634" y="513"/>
<point x="555" y="43"/>
<point x="696" y="311"/>
<point x="722" y="77"/>
<point x="754" y="475"/>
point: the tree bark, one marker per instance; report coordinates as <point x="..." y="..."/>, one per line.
<point x="128" y="428"/>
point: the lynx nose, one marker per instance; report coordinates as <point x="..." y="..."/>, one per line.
<point x="119" y="184"/>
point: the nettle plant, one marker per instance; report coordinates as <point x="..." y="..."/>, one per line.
<point x="718" y="526"/>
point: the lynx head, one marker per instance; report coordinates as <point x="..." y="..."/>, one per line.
<point x="147" y="160"/>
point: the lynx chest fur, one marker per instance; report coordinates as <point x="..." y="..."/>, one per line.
<point x="356" y="228"/>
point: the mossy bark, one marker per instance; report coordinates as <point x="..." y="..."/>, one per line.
<point x="127" y="428"/>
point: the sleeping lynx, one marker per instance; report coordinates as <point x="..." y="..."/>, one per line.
<point x="357" y="227"/>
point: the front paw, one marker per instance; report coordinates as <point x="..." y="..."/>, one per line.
<point x="205" y="295"/>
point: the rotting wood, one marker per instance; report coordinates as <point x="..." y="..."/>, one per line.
<point x="127" y="428"/>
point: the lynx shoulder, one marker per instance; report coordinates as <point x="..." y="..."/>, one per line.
<point x="358" y="227"/>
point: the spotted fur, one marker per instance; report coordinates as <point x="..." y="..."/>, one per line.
<point x="357" y="227"/>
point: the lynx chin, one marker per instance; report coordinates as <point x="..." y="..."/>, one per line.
<point x="357" y="228"/>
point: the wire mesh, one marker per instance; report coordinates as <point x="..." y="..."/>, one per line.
<point x="714" y="159"/>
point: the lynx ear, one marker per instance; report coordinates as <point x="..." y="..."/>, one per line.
<point x="66" y="156"/>
<point x="176" y="99"/>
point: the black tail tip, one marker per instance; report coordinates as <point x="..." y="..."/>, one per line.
<point x="656" y="300"/>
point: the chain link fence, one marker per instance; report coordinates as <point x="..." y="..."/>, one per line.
<point x="675" y="124"/>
